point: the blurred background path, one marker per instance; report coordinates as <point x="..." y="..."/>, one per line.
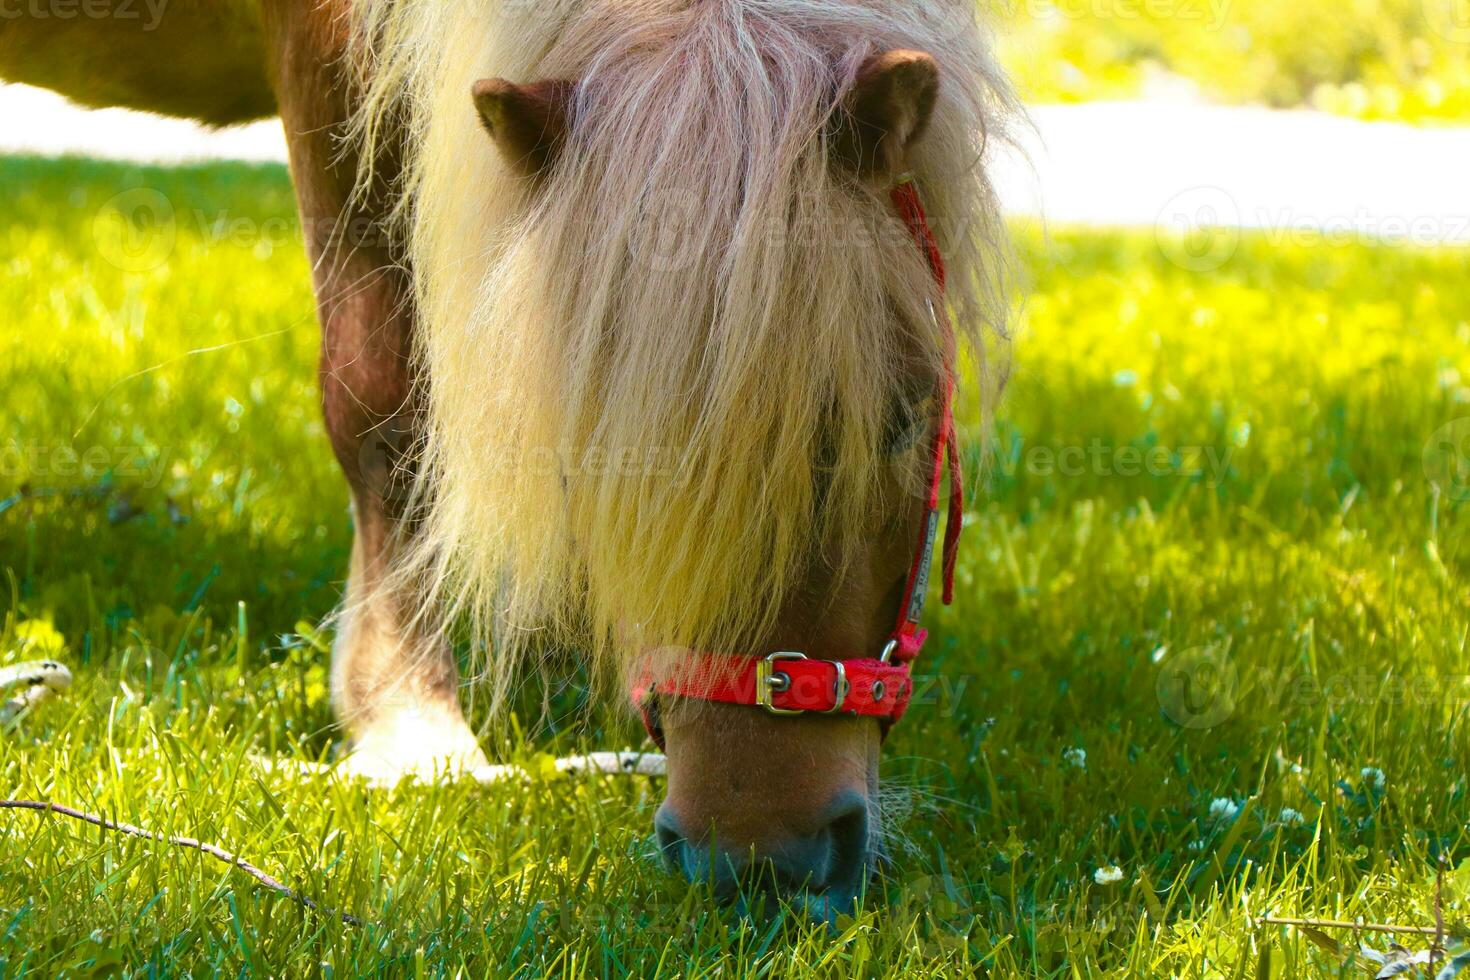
<point x="1173" y="162"/>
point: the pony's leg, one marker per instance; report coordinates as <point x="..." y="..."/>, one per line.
<point x="395" y="684"/>
<point x="394" y="681"/>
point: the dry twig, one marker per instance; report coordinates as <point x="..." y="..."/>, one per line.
<point x="217" y="853"/>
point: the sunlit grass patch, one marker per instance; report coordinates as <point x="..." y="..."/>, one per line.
<point x="1371" y="59"/>
<point x="1209" y="658"/>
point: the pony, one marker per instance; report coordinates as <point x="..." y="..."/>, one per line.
<point x="638" y="359"/>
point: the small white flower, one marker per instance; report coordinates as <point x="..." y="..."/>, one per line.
<point x="1374" y="777"/>
<point x="1076" y="756"/>
<point x="1291" y="818"/>
<point x="1224" y="809"/>
<point x="1110" y="875"/>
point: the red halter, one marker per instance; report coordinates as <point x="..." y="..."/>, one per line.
<point x="786" y="683"/>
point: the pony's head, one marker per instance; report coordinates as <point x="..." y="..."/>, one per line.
<point x="681" y="363"/>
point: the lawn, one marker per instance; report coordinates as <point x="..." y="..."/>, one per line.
<point x="1372" y="59"/>
<point x="1238" y="476"/>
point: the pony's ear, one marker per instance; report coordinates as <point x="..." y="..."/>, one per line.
<point x="886" y="112"/>
<point x="529" y="123"/>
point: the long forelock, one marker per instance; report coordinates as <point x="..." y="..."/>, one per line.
<point x="658" y="379"/>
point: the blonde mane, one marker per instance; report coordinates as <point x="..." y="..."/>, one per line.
<point x="658" y="378"/>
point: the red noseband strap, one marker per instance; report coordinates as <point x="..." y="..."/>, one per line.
<point x="784" y="683"/>
<point x="790" y="683"/>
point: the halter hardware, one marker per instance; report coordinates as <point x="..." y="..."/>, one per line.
<point x="878" y="688"/>
<point x="769" y="682"/>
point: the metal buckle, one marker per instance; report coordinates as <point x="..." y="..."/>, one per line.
<point x="769" y="681"/>
<point x="840" y="689"/>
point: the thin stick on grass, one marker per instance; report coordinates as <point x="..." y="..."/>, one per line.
<point x="1271" y="920"/>
<point x="1438" y="930"/>
<point x="218" y="853"/>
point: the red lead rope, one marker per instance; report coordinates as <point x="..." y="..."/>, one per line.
<point x="909" y="635"/>
<point x="790" y="683"/>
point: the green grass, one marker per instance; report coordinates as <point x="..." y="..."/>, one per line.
<point x="1372" y="59"/>
<point x="1311" y="552"/>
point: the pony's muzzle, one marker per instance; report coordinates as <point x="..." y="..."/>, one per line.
<point x="825" y="871"/>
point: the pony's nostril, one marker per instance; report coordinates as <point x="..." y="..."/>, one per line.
<point x="696" y="862"/>
<point x="834" y="861"/>
<point x="671" y="840"/>
<point x="850" y="858"/>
